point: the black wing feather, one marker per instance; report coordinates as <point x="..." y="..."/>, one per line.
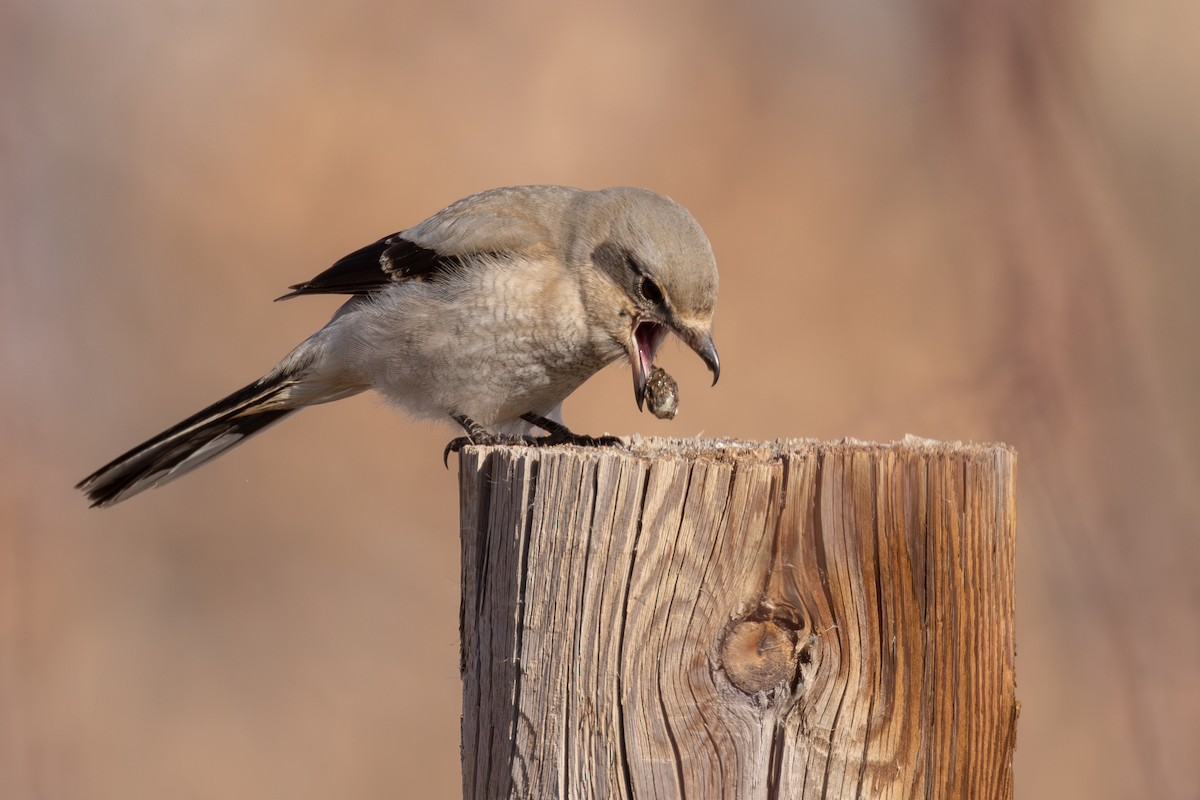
<point x="390" y="260"/>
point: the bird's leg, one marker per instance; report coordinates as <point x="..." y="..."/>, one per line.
<point x="477" y="434"/>
<point x="557" y="433"/>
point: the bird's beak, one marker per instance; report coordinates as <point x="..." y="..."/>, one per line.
<point x="648" y="335"/>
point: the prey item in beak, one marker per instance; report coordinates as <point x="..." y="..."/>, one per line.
<point x="662" y="394"/>
<point x="648" y="335"/>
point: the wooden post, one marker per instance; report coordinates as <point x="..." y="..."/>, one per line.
<point x="738" y="620"/>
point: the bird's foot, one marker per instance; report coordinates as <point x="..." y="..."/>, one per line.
<point x="454" y="445"/>
<point x="476" y="434"/>
<point x="557" y="433"/>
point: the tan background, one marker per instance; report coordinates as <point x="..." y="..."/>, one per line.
<point x="965" y="220"/>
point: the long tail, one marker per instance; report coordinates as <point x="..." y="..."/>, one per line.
<point x="180" y="449"/>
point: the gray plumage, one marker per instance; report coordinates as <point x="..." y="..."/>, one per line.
<point x="494" y="309"/>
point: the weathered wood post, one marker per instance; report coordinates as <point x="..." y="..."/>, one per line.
<point x="738" y="620"/>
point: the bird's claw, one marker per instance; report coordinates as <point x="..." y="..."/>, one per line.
<point x="484" y="439"/>
<point x="578" y="439"/>
<point x="453" y="446"/>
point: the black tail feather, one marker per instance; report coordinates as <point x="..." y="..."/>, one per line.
<point x="183" y="447"/>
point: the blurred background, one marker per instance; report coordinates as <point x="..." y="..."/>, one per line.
<point x="968" y="220"/>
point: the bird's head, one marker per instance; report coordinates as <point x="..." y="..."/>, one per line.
<point x="660" y="273"/>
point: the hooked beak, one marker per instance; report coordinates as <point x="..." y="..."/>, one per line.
<point x="648" y="335"/>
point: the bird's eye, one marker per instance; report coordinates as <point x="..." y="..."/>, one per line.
<point x="649" y="291"/>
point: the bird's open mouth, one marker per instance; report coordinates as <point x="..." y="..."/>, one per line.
<point x="648" y="335"/>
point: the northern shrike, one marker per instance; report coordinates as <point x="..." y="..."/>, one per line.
<point x="489" y="313"/>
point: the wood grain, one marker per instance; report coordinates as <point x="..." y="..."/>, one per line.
<point x="740" y="620"/>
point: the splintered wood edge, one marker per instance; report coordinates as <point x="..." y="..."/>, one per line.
<point x="744" y="450"/>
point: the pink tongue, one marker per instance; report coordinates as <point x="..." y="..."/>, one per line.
<point x="649" y="336"/>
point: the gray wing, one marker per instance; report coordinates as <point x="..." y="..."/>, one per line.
<point x="516" y="220"/>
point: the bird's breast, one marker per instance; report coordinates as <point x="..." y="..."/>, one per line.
<point x="490" y="343"/>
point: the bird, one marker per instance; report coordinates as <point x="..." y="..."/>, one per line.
<point x="488" y="313"/>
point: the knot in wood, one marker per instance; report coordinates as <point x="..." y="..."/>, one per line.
<point x="758" y="655"/>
